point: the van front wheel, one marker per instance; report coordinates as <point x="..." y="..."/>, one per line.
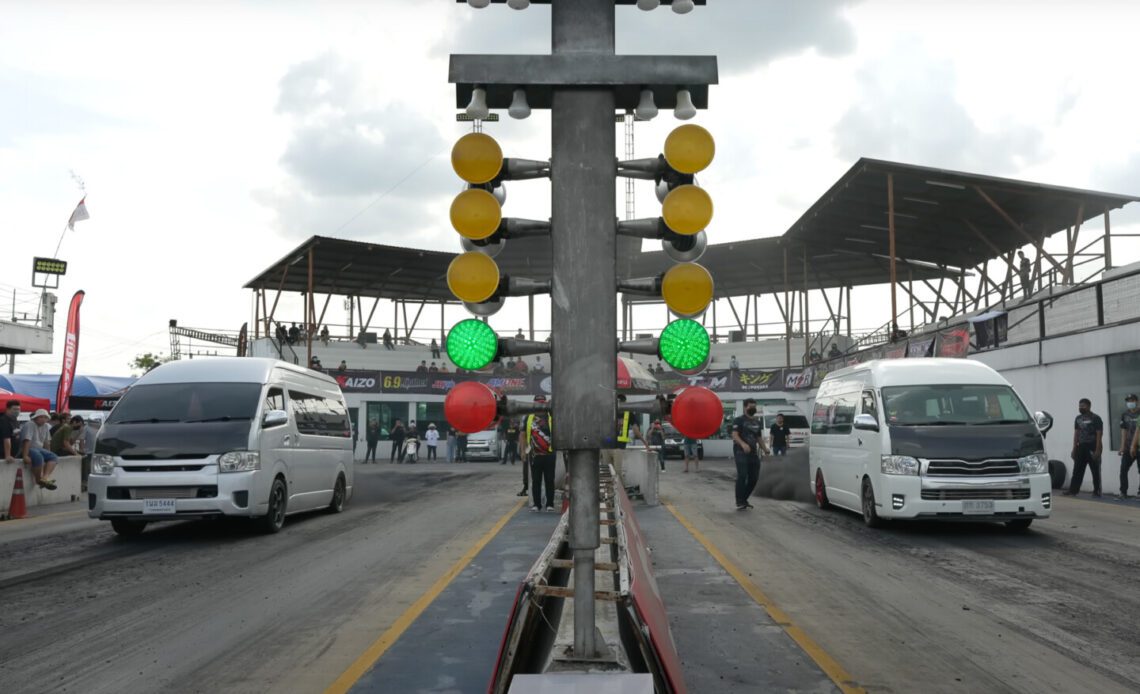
<point x="274" y="517"/>
<point x="821" y="491"/>
<point x="870" y="513"/>
<point x="339" y="492"/>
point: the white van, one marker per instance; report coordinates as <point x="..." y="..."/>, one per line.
<point x="928" y="438"/>
<point x="222" y="437"/>
<point x="798" y="427"/>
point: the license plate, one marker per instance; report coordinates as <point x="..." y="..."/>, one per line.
<point x="977" y="506"/>
<point x="158" y="506"/>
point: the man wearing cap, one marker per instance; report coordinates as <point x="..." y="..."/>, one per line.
<point x="63" y="441"/>
<point x="1127" y="441"/>
<point x="538" y="439"/>
<point x="35" y="436"/>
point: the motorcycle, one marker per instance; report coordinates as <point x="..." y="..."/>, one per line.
<point x="411" y="450"/>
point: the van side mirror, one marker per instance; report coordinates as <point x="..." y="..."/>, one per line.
<point x="866" y="422"/>
<point x="274" y="418"/>
<point x="1044" y="422"/>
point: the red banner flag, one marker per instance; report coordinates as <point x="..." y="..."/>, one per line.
<point x="70" y="355"/>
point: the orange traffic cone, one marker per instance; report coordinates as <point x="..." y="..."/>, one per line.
<point x="19" y="507"/>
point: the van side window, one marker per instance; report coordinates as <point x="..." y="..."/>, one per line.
<point x="843" y="414"/>
<point x="869" y="406"/>
<point x="307" y="412"/>
<point x="336" y="418"/>
<point x="274" y="399"/>
<point x="820" y="414"/>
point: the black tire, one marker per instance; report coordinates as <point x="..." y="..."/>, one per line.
<point x="274" y="517"/>
<point x="821" y="492"/>
<point x="870" y="514"/>
<point x="340" y="490"/>
<point x="1019" y="524"/>
<point x="1057" y="473"/>
<point x="128" y="528"/>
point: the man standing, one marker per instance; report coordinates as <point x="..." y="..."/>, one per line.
<point x="780" y="433"/>
<point x="657" y="439"/>
<point x="692" y="453"/>
<point x="461" y="445"/>
<point x="510" y="441"/>
<point x="432" y="438"/>
<point x="372" y="438"/>
<point x="10" y="432"/>
<point x="434" y="349"/>
<point x="540" y="443"/>
<point x="1023" y="270"/>
<point x="1127" y="442"/>
<point x="733" y="364"/>
<point x="34" y="438"/>
<point x="747" y="442"/>
<point x="397" y="435"/>
<point x="1088" y="430"/>
<point x="626" y="430"/>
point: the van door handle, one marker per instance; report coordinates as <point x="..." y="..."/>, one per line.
<point x="287" y="440"/>
<point x="860" y="441"/>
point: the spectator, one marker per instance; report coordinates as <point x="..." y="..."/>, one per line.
<point x="461" y="447"/>
<point x="343" y="367"/>
<point x="372" y="438"/>
<point x="433" y="368"/>
<point x="388" y="340"/>
<point x="55" y="422"/>
<point x="1023" y="271"/>
<point x="422" y="368"/>
<point x="432" y="438"/>
<point x="325" y="334"/>
<point x="692" y="453"/>
<point x="294" y="334"/>
<point x="538" y="366"/>
<point x="63" y="439"/>
<point x="657" y="438"/>
<point x="660" y="369"/>
<point x="315" y="363"/>
<point x="510" y="364"/>
<point x="834" y="351"/>
<point x="747" y="442"/>
<point x="733" y="364"/>
<point x="813" y="355"/>
<point x="780" y="432"/>
<point x="34" y="441"/>
<point x="520" y="335"/>
<point x="397" y="436"/>
<point x="521" y="366"/>
<point x="452" y="443"/>
<point x="443" y="368"/>
<point x="282" y="334"/>
<point x="434" y="349"/>
<point x="1127" y="442"/>
<point x="10" y="432"/>
<point x="1088" y="429"/>
<point x="896" y="333"/>
<point x="511" y="451"/>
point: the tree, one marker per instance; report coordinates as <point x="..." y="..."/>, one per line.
<point x="146" y="362"/>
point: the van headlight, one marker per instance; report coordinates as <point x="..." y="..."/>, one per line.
<point x="239" y="461"/>
<point x="102" y="464"/>
<point x="900" y="465"/>
<point x="1034" y="464"/>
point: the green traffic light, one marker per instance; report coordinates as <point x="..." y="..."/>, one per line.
<point x="684" y="345"/>
<point x="472" y="344"/>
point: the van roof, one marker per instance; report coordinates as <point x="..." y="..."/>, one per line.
<point x="226" y="370"/>
<point x="929" y="371"/>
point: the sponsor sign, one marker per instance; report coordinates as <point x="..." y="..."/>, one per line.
<point x="954" y="343"/>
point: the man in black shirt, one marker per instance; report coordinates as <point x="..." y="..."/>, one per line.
<point x="747" y="442"/>
<point x="397" y="435"/>
<point x="1127" y="437"/>
<point x="10" y="432"/>
<point x="780" y="433"/>
<point x="1088" y="430"/>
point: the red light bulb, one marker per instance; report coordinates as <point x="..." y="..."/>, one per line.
<point x="470" y="407"/>
<point x="697" y="412"/>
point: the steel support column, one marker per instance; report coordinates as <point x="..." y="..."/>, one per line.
<point x="310" y="310"/>
<point x="1107" y="240"/>
<point x="891" y="245"/>
<point x="787" y="316"/>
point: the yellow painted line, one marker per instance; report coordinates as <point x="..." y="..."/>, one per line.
<point x="21" y="522"/>
<point x="373" y="653"/>
<point x="829" y="665"/>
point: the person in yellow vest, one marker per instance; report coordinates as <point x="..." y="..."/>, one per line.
<point x="537" y="438"/>
<point x="626" y="430"/>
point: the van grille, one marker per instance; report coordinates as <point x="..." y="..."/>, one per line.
<point x="961" y="494"/>
<point x="124" y="493"/>
<point x="973" y="468"/>
<point x="163" y="468"/>
<point x="178" y="456"/>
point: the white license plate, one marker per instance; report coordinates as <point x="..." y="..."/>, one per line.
<point x="158" y="506"/>
<point x="977" y="506"/>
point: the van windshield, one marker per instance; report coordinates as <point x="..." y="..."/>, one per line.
<point x="187" y="402"/>
<point x="952" y="404"/>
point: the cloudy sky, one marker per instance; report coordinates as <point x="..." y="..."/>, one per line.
<point x="214" y="136"/>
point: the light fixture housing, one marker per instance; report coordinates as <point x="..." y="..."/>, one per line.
<point x="518" y="4"/>
<point x="683" y="6"/>
<point x="519" y="108"/>
<point x="646" y="108"/>
<point x="648" y="5"/>
<point x="477" y="107"/>
<point x="684" y="109"/>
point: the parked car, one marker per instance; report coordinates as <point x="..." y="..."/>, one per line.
<point x="483" y="446"/>
<point x="675" y="444"/>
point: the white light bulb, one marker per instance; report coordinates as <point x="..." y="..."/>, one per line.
<point x="648" y="4"/>
<point x="477" y="109"/>
<point x="661" y="191"/>
<point x="500" y="193"/>
<point x="518" y="4"/>
<point x="685" y="109"/>
<point x="519" y="107"/>
<point x="646" y="109"/>
<point x="478" y="4"/>
<point x="682" y="6"/>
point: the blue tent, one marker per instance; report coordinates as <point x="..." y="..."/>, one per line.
<point x="44" y="386"/>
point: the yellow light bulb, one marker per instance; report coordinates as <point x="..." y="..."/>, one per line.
<point x="476" y="214"/>
<point x="687" y="209"/>
<point x="687" y="289"/>
<point x="477" y="158"/>
<point x="689" y="149"/>
<point x="473" y="277"/>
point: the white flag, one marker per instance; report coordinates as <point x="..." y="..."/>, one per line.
<point x="79" y="214"/>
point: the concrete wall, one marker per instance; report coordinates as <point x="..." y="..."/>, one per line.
<point x="67" y="479"/>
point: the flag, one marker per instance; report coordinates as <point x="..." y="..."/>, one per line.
<point x="70" y="353"/>
<point x="79" y="214"/>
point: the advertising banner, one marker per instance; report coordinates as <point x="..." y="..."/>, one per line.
<point x="923" y="347"/>
<point x="954" y="343"/>
<point x="70" y="354"/>
<point x="757" y="380"/>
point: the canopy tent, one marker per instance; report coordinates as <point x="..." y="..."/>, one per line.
<point x="27" y="402"/>
<point x="44" y="385"/>
<point x="632" y="377"/>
